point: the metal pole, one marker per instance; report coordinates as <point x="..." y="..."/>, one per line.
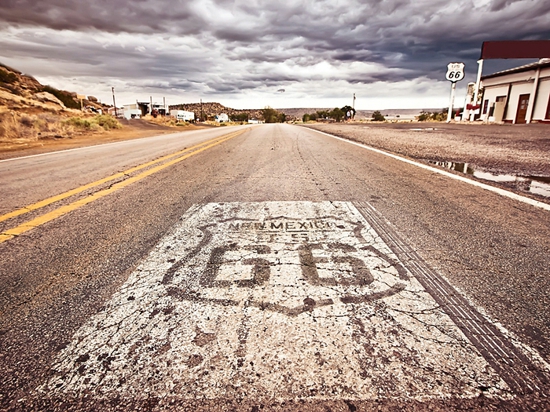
<point x="478" y="84"/>
<point x="451" y="102"/>
<point x="114" y="103"/>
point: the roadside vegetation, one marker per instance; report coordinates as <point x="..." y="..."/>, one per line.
<point x="378" y="117"/>
<point x="7" y="77"/>
<point x="14" y="125"/>
<point x="335" y="115"/>
<point x="65" y="97"/>
<point x="96" y="123"/>
<point x="239" y="117"/>
<point x="433" y="116"/>
<point x="273" y="116"/>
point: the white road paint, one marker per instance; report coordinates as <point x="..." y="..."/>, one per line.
<point x="272" y="300"/>
<point x="490" y="188"/>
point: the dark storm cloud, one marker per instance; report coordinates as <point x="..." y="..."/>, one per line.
<point x="227" y="46"/>
<point x="137" y="16"/>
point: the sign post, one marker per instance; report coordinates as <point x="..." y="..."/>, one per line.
<point x="455" y="73"/>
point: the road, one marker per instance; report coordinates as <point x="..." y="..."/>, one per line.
<point x="270" y="267"/>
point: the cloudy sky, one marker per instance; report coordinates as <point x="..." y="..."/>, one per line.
<point x="243" y="54"/>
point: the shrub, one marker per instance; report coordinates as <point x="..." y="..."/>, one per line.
<point x="106" y="121"/>
<point x="378" y="117"/>
<point x="27" y="121"/>
<point x="96" y="123"/>
<point x="65" y="97"/>
<point x="435" y="116"/>
<point x="7" y="77"/>
<point x="77" y="122"/>
<point x="424" y="116"/>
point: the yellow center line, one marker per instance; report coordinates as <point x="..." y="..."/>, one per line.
<point x="62" y="210"/>
<point x="56" y="198"/>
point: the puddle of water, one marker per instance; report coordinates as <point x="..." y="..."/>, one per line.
<point x="539" y="185"/>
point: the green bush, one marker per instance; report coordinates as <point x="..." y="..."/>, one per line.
<point x="378" y="117"/>
<point x="78" y="122"/>
<point x="98" y="122"/>
<point x="435" y="116"/>
<point x="106" y="121"/>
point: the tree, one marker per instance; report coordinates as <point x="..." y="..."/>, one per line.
<point x="378" y="117"/>
<point x="239" y="117"/>
<point x="270" y="115"/>
<point x="322" y="114"/>
<point x="348" y="109"/>
<point x="273" y="116"/>
<point x="306" y="118"/>
<point x="337" y="114"/>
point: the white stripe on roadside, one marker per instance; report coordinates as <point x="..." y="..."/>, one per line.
<point x="490" y="188"/>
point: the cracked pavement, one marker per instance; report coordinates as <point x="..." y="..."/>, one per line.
<point x="285" y="336"/>
<point x="281" y="270"/>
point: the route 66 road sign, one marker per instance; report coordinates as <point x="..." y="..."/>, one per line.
<point x="455" y="72"/>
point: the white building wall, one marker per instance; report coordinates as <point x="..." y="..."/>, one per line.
<point x="491" y="94"/>
<point x="510" y="78"/>
<point x="542" y="99"/>
<point x="517" y="90"/>
<point x="522" y="83"/>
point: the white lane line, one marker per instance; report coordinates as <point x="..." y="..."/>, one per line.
<point x="490" y="188"/>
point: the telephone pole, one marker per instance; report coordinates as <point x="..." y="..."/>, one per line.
<point x="114" y="103"/>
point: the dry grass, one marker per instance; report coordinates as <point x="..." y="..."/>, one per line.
<point x="15" y="125"/>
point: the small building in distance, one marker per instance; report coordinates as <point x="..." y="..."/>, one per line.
<point x="517" y="95"/>
<point x="132" y="111"/>
<point x="182" y="115"/>
<point x="222" y="117"/>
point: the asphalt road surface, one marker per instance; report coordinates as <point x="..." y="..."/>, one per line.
<point x="266" y="268"/>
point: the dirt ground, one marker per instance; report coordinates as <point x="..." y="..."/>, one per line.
<point x="514" y="149"/>
<point x="134" y="129"/>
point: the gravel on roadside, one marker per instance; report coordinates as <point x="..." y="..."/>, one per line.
<point x="516" y="150"/>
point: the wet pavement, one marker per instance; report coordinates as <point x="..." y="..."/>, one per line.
<point x="535" y="185"/>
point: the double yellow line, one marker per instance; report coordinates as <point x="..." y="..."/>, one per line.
<point x="62" y="210"/>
